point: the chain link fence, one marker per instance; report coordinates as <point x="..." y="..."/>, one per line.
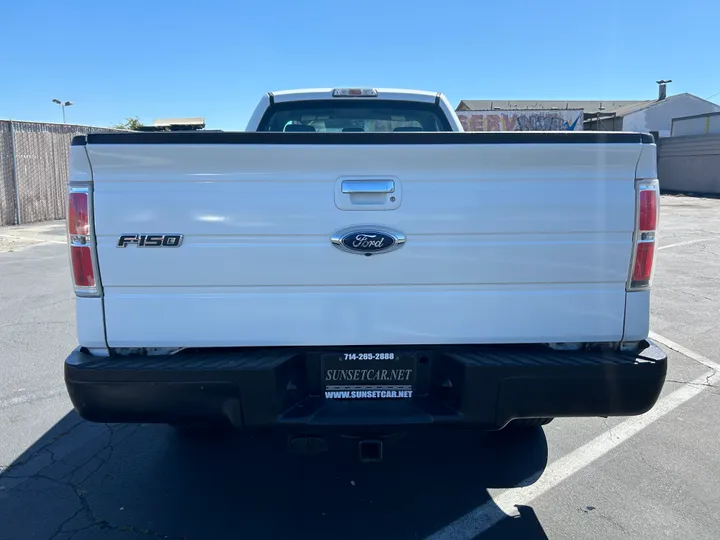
<point x="34" y="169"/>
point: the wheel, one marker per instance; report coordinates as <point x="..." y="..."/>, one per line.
<point x="523" y="423"/>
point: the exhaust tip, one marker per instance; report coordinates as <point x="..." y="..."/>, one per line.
<point x="371" y="451"/>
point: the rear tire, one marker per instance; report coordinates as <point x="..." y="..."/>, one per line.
<point x="524" y="423"/>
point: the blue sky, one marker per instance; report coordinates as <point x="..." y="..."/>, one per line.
<point x="156" y="58"/>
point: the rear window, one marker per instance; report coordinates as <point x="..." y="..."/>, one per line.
<point x="350" y="115"/>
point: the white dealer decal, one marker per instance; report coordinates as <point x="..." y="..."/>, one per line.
<point x="368" y="375"/>
<point x="368" y="394"/>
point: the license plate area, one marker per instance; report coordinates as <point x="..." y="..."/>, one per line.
<point x="361" y="374"/>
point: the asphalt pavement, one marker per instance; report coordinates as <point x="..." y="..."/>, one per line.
<point x="647" y="477"/>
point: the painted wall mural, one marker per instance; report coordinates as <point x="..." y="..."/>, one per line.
<point x="522" y="120"/>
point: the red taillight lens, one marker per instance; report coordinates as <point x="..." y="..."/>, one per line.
<point x="82" y="249"/>
<point x="644" y="257"/>
<point x="647" y="220"/>
<point x="82" y="266"/>
<point x="647" y="201"/>
<point x="78" y="216"/>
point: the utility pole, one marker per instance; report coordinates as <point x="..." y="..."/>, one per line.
<point x="63" y="104"/>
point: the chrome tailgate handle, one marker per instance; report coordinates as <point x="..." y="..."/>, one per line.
<point x="368" y="186"/>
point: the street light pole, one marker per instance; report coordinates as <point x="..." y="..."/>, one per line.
<point x="63" y="104"/>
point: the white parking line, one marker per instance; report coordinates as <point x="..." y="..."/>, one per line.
<point x="696" y="241"/>
<point x="38" y="239"/>
<point x="504" y="505"/>
<point x="699" y="358"/>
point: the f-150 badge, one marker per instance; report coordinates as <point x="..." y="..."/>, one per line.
<point x="150" y="240"/>
<point x="367" y="240"/>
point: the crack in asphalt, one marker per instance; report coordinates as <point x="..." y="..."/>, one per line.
<point x="43" y="448"/>
<point x="67" y="481"/>
<point x="610" y="519"/>
<point x="645" y="461"/>
<point x="608" y="429"/>
<point x="706" y="384"/>
<point x="682" y="291"/>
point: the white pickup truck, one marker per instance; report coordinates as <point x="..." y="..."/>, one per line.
<point x="353" y="260"/>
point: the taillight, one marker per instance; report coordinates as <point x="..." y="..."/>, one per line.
<point x="647" y="206"/>
<point x="647" y="209"/>
<point x="644" y="255"/>
<point x="82" y="266"/>
<point x="82" y="250"/>
<point x="78" y="220"/>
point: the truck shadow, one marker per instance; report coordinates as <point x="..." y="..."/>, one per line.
<point x="88" y="481"/>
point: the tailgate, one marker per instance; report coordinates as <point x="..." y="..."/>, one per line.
<point x="517" y="238"/>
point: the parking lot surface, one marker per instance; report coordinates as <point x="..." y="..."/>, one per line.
<point x="652" y="476"/>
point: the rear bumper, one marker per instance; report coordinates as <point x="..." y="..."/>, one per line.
<point x="484" y="386"/>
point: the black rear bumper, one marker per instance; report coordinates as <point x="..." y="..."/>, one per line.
<point x="484" y="386"/>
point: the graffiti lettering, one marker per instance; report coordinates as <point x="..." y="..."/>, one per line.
<point x="509" y="121"/>
<point x="493" y="122"/>
<point x="540" y="122"/>
<point x="564" y="120"/>
<point x="477" y="122"/>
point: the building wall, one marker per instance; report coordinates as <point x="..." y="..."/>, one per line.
<point x="689" y="164"/>
<point x="604" y="124"/>
<point x="659" y="117"/>
<point x="696" y="125"/>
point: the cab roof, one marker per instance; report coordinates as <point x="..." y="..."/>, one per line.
<point x="308" y="94"/>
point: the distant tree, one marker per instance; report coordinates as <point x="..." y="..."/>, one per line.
<point x="130" y="123"/>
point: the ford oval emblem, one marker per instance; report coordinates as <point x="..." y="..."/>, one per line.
<point x="367" y="240"/>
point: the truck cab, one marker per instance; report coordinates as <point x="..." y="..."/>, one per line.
<point x="352" y="110"/>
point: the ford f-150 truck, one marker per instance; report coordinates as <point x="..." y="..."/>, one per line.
<point x="354" y="260"/>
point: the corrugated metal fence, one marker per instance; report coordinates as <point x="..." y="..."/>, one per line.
<point x="34" y="169"/>
<point x="689" y="164"/>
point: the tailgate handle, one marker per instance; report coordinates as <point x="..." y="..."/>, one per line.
<point x="368" y="186"/>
